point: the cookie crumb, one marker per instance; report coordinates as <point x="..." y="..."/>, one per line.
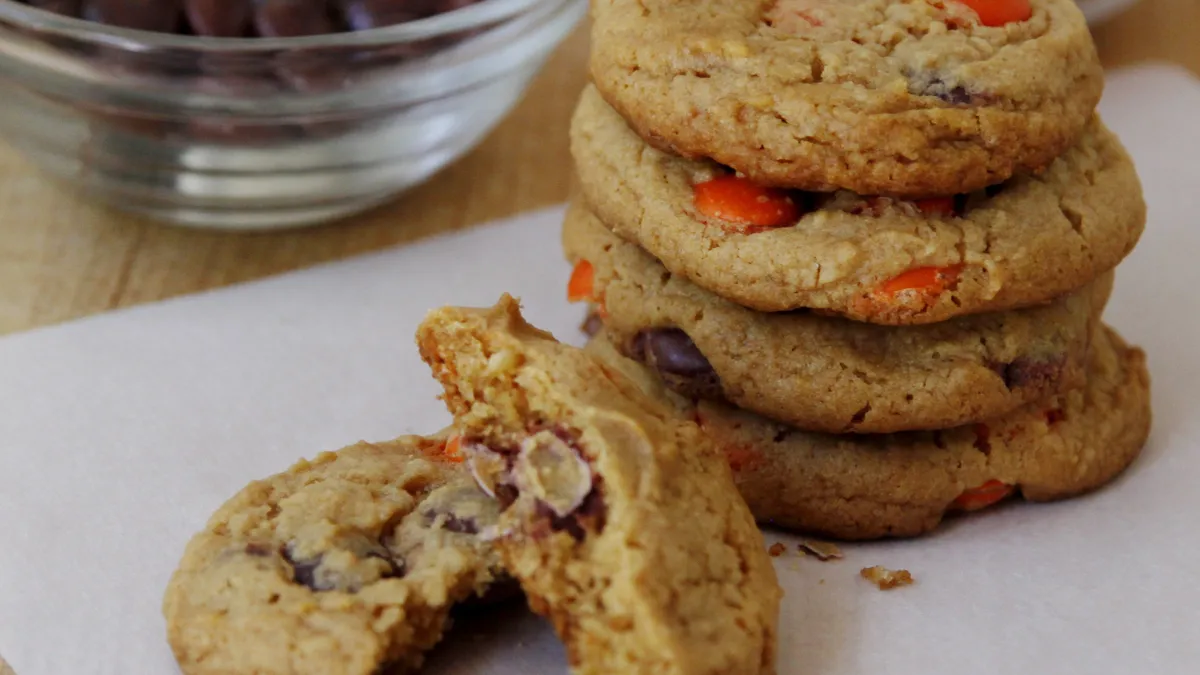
<point x="777" y="549"/>
<point x="886" y="579"/>
<point x="823" y="550"/>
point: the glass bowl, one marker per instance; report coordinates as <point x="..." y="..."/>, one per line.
<point x="259" y="133"/>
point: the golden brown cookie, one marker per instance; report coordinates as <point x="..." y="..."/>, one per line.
<point x="620" y="523"/>
<point x="899" y="97"/>
<point x="824" y="373"/>
<point x="877" y="260"/>
<point x="902" y="485"/>
<point x="345" y="565"/>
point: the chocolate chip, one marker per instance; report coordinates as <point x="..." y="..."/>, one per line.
<point x="671" y="350"/>
<point x="591" y="516"/>
<point x="505" y="495"/>
<point x="161" y="16"/>
<point x="314" y="573"/>
<point x="592" y="325"/>
<point x="219" y="18"/>
<point x="680" y="364"/>
<point x="929" y="84"/>
<point x="983" y="442"/>
<point x="258" y="550"/>
<point x="1024" y="371"/>
<point x="304" y="572"/>
<point x="292" y="18"/>
<point x="955" y="96"/>
<point x="461" y="525"/>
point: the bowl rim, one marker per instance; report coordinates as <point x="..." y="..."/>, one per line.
<point x="482" y="13"/>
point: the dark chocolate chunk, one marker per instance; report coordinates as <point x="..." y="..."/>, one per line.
<point x="368" y="14"/>
<point x="64" y="7"/>
<point x="591" y="516"/>
<point x="292" y="18"/>
<point x="983" y="436"/>
<point x="955" y="96"/>
<point x="160" y="16"/>
<point x="219" y="18"/>
<point x="671" y="350"/>
<point x="680" y="364"/>
<point x="259" y="550"/>
<point x="316" y="575"/>
<point x="930" y="84"/>
<point x="592" y="325"/>
<point x="1024" y="371"/>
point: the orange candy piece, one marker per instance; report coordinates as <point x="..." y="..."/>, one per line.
<point x="1000" y="12"/>
<point x="452" y="452"/>
<point x="932" y="280"/>
<point x="983" y="496"/>
<point x="737" y="200"/>
<point x="581" y="285"/>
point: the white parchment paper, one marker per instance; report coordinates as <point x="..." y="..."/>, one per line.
<point x="119" y="434"/>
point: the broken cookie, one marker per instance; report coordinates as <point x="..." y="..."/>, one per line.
<point x="620" y="521"/>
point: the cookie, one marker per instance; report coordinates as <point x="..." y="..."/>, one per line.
<point x="348" y="564"/>
<point x="620" y="524"/>
<point x="825" y="373"/>
<point x="870" y="259"/>
<point x="900" y="97"/>
<point x="903" y="485"/>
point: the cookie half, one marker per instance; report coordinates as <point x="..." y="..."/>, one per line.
<point x="903" y="485"/>
<point x="345" y="565"/>
<point x="876" y="260"/>
<point x="898" y="97"/>
<point x="825" y="373"/>
<point x="620" y="524"/>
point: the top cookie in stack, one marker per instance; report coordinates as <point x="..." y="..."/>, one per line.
<point x="894" y="162"/>
<point x="910" y="98"/>
<point x="819" y="223"/>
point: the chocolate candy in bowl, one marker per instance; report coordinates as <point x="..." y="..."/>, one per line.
<point x="258" y="114"/>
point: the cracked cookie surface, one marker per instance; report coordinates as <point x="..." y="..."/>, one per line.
<point x="902" y="485"/>
<point x="899" y="97"/>
<point x="621" y="525"/>
<point x="348" y="564"/>
<point x="863" y="257"/>
<point x="826" y="373"/>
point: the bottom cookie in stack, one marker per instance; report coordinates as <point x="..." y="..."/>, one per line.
<point x="899" y="485"/>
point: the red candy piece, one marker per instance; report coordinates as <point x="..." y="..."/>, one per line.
<point x="742" y="203"/>
<point x="1000" y="12"/>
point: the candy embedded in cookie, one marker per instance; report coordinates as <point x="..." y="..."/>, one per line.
<point x="1085" y="212"/>
<point x="594" y="479"/>
<point x="901" y="97"/>
<point x="823" y="373"/>
<point x="741" y="206"/>
<point x="347" y="564"/>
<point x="903" y="485"/>
<point x="999" y="12"/>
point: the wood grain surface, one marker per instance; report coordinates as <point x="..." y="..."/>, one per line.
<point x="62" y="257"/>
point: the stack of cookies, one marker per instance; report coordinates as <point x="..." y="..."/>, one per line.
<point x="867" y="245"/>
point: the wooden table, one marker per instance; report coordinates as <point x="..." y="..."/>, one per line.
<point x="62" y="258"/>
